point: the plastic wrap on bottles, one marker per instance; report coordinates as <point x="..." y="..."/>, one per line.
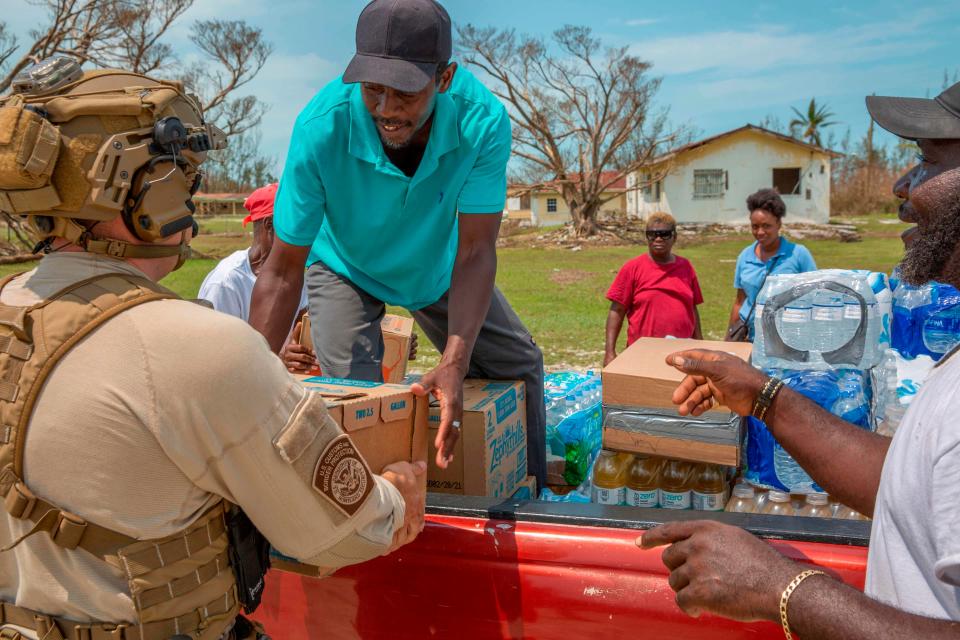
<point x="846" y="393"/>
<point x="926" y="319"/>
<point x="712" y="427"/>
<point x="825" y="319"/>
<point x="897" y="382"/>
<point x="573" y="425"/>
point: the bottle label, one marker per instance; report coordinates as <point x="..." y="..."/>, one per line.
<point x="671" y="500"/>
<point x="828" y="314"/>
<point x="649" y="498"/>
<point x="708" y="501"/>
<point x="793" y="314"/>
<point x="609" y="496"/>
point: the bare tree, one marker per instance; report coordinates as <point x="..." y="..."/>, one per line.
<point x="240" y="168"/>
<point x="583" y="114"/>
<point x="130" y="34"/>
<point x="239" y="52"/>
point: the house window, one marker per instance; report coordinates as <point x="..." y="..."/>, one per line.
<point x="809" y="194"/>
<point x="656" y="195"/>
<point x="787" y="181"/>
<point x="708" y="183"/>
<point x="551" y="205"/>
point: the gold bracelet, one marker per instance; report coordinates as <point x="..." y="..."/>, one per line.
<point x="785" y="598"/>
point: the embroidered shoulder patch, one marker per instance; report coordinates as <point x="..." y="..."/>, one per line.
<point x="342" y="476"/>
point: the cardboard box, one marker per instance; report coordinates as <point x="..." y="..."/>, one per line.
<point x="397" y="335"/>
<point x="490" y="457"/>
<point x="386" y="423"/>
<point x="640" y="379"/>
<point x="640" y="376"/>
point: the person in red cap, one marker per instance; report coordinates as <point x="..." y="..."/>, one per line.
<point x="229" y="286"/>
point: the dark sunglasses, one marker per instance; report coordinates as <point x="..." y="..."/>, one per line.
<point x="653" y="234"/>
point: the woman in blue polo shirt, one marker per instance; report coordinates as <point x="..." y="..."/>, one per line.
<point x="771" y="254"/>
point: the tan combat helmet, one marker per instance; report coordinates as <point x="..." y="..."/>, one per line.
<point x="77" y="148"/>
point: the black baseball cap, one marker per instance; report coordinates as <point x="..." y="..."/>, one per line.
<point x="916" y="118"/>
<point x="400" y="44"/>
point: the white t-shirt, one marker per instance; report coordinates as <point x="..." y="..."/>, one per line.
<point x="229" y="286"/>
<point x="914" y="557"/>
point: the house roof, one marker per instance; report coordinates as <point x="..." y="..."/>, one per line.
<point x="224" y="197"/>
<point x="620" y="184"/>
<point x="748" y="127"/>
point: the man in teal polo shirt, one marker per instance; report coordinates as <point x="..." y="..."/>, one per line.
<point x="393" y="193"/>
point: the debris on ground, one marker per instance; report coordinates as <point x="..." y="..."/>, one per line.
<point x="621" y="231"/>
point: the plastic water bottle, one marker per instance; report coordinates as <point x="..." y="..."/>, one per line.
<point x="571" y="405"/>
<point x="941" y="331"/>
<point x="556" y="412"/>
<point x="827" y="320"/>
<point x="794" y="324"/>
<point x="789" y="473"/>
<point x="758" y="337"/>
<point x="851" y="318"/>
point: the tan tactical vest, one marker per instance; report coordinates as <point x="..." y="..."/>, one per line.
<point x="181" y="584"/>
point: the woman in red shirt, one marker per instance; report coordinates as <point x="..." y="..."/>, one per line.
<point x="657" y="291"/>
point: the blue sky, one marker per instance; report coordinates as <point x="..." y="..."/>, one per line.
<point x="723" y="63"/>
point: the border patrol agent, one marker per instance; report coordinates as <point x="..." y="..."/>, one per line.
<point x="392" y="193"/>
<point x="132" y="422"/>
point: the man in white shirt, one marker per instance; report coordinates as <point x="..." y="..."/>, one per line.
<point x="229" y="286"/>
<point x="910" y="485"/>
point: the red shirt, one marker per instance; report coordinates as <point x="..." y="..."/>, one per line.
<point x="659" y="298"/>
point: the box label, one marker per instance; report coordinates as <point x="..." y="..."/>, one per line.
<point x="505" y="444"/>
<point x="361" y="384"/>
<point x="506" y="405"/>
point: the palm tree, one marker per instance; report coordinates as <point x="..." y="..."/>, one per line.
<point x="811" y="122"/>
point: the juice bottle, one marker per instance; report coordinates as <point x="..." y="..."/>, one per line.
<point x="709" y="488"/>
<point x="846" y="513"/>
<point x="608" y="478"/>
<point x="778" y="504"/>
<point x="817" y="505"/>
<point x="643" y="478"/>
<point x="742" y="500"/>
<point x="675" y="481"/>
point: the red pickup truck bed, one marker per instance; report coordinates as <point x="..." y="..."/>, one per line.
<point x="538" y="570"/>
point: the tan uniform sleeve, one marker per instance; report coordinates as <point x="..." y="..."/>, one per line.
<point x="238" y="425"/>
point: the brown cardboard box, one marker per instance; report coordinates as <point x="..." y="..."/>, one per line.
<point x="640" y="378"/>
<point x="490" y="457"/>
<point x="386" y="422"/>
<point x="397" y="335"/>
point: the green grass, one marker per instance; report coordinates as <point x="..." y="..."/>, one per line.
<point x="559" y="293"/>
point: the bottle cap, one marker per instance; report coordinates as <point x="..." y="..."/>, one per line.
<point x="778" y="496"/>
<point x="743" y="491"/>
<point x="819" y="499"/>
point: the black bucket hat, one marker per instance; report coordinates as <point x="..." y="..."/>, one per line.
<point x="400" y="44"/>
<point x="919" y="118"/>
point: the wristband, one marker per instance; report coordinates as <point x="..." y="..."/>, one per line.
<point x="766" y="397"/>
<point x="785" y="598"/>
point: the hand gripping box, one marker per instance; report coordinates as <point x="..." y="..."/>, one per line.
<point x="386" y="422"/>
<point x="638" y="411"/>
<point x="490" y="457"/>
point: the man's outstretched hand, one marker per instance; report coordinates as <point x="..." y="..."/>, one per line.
<point x="446" y="383"/>
<point x="715" y="377"/>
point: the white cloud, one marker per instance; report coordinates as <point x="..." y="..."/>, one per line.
<point x="641" y="22"/>
<point x="773" y="46"/>
<point x="287" y="83"/>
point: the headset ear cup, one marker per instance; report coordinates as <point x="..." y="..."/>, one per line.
<point x="162" y="207"/>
